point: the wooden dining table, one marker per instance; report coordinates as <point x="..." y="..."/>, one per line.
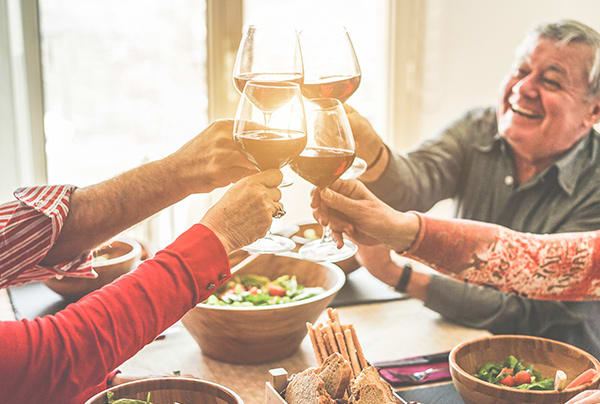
<point x="386" y="331"/>
<point x="389" y="330"/>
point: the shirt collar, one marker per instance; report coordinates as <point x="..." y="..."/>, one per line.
<point x="569" y="166"/>
<point x="575" y="161"/>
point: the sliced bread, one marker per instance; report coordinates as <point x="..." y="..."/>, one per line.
<point x="370" y="393"/>
<point x="307" y="388"/>
<point x="336" y="373"/>
<point x="370" y="376"/>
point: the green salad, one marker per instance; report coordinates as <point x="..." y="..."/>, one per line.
<point x="256" y="290"/>
<point x="110" y="399"/>
<point x="514" y="373"/>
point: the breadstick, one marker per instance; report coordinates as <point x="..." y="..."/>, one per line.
<point x="333" y="315"/>
<point x="335" y="324"/>
<point x="320" y="342"/>
<point x="361" y="356"/>
<point x="352" y="352"/>
<point x="313" y="340"/>
<point x="330" y="338"/>
<point x="339" y="337"/>
<point x="330" y="349"/>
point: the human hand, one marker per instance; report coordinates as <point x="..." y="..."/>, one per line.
<point x="245" y="212"/>
<point x="210" y="160"/>
<point x="368" y="142"/>
<point x="347" y="206"/>
<point x="586" y="397"/>
<point x="378" y="261"/>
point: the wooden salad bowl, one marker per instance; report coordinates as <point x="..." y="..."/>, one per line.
<point x="169" y="390"/>
<point x="119" y="257"/>
<point x="250" y="335"/>
<point x="544" y="354"/>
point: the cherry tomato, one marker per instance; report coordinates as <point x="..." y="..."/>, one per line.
<point x="276" y="290"/>
<point x="507" y="371"/>
<point x="522" y="377"/>
<point x="253" y="290"/>
<point x="508" y="381"/>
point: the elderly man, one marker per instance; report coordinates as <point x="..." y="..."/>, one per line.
<point x="532" y="165"/>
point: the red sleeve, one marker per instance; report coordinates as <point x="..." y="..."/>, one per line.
<point x="563" y="266"/>
<point x="58" y="359"/>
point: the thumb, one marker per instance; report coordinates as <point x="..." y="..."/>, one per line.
<point x="338" y="202"/>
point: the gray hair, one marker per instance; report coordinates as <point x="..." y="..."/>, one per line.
<point x="565" y="32"/>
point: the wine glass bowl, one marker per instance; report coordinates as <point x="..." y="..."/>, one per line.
<point x="268" y="54"/>
<point x="331" y="68"/>
<point x="329" y="152"/>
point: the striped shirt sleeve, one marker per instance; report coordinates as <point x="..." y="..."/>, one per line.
<point x="29" y="227"/>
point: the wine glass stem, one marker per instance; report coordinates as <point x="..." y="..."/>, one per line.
<point x="326" y="238"/>
<point x="267" y="117"/>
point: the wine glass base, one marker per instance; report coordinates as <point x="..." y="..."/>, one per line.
<point x="319" y="251"/>
<point x="270" y="244"/>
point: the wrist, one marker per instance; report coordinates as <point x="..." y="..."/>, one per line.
<point x="418" y="284"/>
<point x="377" y="165"/>
<point x="177" y="173"/>
<point x="405" y="231"/>
<point x="222" y="236"/>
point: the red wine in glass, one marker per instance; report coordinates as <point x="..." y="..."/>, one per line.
<point x="322" y="165"/>
<point x="271" y="148"/>
<point x="337" y="86"/>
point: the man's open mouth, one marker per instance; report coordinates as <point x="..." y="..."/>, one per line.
<point x="524" y="112"/>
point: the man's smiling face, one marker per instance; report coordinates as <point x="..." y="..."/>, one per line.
<point x="544" y="107"/>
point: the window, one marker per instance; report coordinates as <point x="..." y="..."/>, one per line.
<point x="124" y="83"/>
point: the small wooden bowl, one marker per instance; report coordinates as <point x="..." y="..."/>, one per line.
<point x="171" y="389"/>
<point x="348" y="265"/>
<point x="122" y="256"/>
<point x="250" y="335"/>
<point x="545" y="355"/>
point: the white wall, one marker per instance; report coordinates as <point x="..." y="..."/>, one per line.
<point x="469" y="46"/>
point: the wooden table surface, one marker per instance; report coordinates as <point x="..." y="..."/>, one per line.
<point x="386" y="331"/>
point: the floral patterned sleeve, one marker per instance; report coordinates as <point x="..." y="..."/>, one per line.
<point x="560" y="266"/>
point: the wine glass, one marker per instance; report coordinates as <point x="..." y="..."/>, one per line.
<point x="329" y="152"/>
<point x="331" y="70"/>
<point x="274" y="143"/>
<point x="268" y="54"/>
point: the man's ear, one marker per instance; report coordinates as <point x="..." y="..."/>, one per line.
<point x="593" y="116"/>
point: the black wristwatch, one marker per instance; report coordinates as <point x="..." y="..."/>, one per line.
<point x="404" y="279"/>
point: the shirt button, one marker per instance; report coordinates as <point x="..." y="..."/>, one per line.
<point x="509" y="180"/>
<point x="211" y="285"/>
<point x="222" y="276"/>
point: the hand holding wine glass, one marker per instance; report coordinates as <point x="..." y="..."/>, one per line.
<point x="274" y="143"/>
<point x="328" y="154"/>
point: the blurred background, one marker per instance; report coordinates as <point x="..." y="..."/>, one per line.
<point x="90" y="89"/>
